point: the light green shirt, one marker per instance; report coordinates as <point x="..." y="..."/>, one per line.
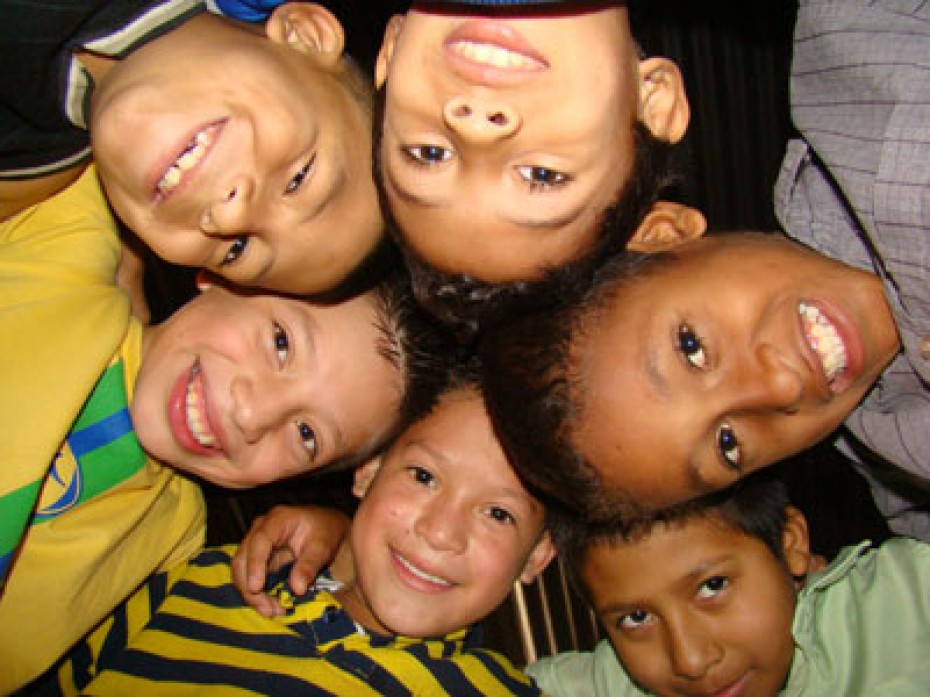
<point x="861" y="628"/>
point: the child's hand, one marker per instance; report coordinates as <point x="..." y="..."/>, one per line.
<point x="309" y="536"/>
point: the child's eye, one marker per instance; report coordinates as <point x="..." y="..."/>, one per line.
<point x="712" y="586"/>
<point x="236" y="250"/>
<point x="691" y="347"/>
<point x="427" y="154"/>
<point x="298" y="179"/>
<point x="308" y="437"/>
<point x="633" y="620"/>
<point x="541" y="178"/>
<point x="281" y="341"/>
<point x="501" y="515"/>
<point x="421" y="476"/>
<point x="729" y="446"/>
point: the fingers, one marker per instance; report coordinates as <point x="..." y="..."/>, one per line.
<point x="309" y="536"/>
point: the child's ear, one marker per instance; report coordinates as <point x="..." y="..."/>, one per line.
<point x="309" y="28"/>
<point x="539" y="559"/>
<point x="795" y="544"/>
<point x="666" y="225"/>
<point x="663" y="104"/>
<point x="386" y="52"/>
<point x="364" y="476"/>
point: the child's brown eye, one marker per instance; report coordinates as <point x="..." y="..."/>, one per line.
<point x="281" y="341"/>
<point x="308" y="437"/>
<point x="691" y="347"/>
<point x="298" y="179"/>
<point x="427" y="154"/>
<point x="729" y="447"/>
<point x="236" y="249"/>
<point x="540" y="178"/>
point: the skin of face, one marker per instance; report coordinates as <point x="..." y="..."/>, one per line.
<point x="243" y="389"/>
<point x="700" y="608"/>
<point x="444" y="528"/>
<point x="505" y="138"/>
<point x="267" y="153"/>
<point x="705" y="370"/>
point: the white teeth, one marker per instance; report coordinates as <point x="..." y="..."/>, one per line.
<point x="422" y="574"/>
<point x="196" y="421"/>
<point x="493" y="55"/>
<point x="186" y="161"/>
<point x="824" y="339"/>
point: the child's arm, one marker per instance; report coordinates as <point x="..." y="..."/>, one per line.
<point x="309" y="536"/>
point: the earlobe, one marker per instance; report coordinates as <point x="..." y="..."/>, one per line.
<point x="665" y="226"/>
<point x="386" y="52"/>
<point x="364" y="476"/>
<point x="539" y="559"/>
<point x="664" y="105"/>
<point x="309" y="28"/>
<point x="795" y="543"/>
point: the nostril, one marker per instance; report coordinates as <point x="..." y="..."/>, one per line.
<point x="232" y="194"/>
<point x="462" y="111"/>
<point x="498" y="118"/>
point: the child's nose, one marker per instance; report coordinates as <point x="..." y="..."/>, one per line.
<point x="771" y="383"/>
<point x="228" y="212"/>
<point x="481" y="120"/>
<point x="257" y="408"/>
<point x="442" y="527"/>
<point x="693" y="652"/>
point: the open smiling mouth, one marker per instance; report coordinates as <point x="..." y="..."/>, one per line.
<point x="824" y="340"/>
<point x="419" y="573"/>
<point x="496" y="56"/>
<point x="195" y="410"/>
<point x="189" y="158"/>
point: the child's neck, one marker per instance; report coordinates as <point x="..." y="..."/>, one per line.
<point x="97" y="65"/>
<point x="350" y="595"/>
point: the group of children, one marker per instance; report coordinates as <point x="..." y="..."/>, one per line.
<point x="512" y="211"/>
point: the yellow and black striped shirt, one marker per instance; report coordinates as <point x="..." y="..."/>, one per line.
<point x="188" y="631"/>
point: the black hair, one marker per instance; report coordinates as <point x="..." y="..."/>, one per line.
<point x="420" y="349"/>
<point x="469" y="305"/>
<point x="755" y="506"/>
<point x="535" y="398"/>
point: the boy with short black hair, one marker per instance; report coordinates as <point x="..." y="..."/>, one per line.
<point x="99" y="413"/>
<point x="682" y="370"/>
<point x="243" y="149"/>
<point x="519" y="144"/>
<point x="722" y="596"/>
<point x="443" y="530"/>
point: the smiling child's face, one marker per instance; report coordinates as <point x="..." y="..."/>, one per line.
<point x="444" y="528"/>
<point x="745" y="349"/>
<point x="242" y="152"/>
<point x="504" y="139"/>
<point x="243" y="389"/>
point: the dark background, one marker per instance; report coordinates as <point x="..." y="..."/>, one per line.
<point x="735" y="63"/>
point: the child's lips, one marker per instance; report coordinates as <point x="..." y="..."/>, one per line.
<point x="734" y="689"/>
<point x="832" y="344"/>
<point x="179" y="166"/>
<point x="491" y="53"/>
<point x="413" y="575"/>
<point x="190" y="414"/>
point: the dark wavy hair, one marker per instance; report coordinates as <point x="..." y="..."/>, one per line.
<point x="755" y="506"/>
<point x="535" y="393"/>
<point x="469" y="305"/>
